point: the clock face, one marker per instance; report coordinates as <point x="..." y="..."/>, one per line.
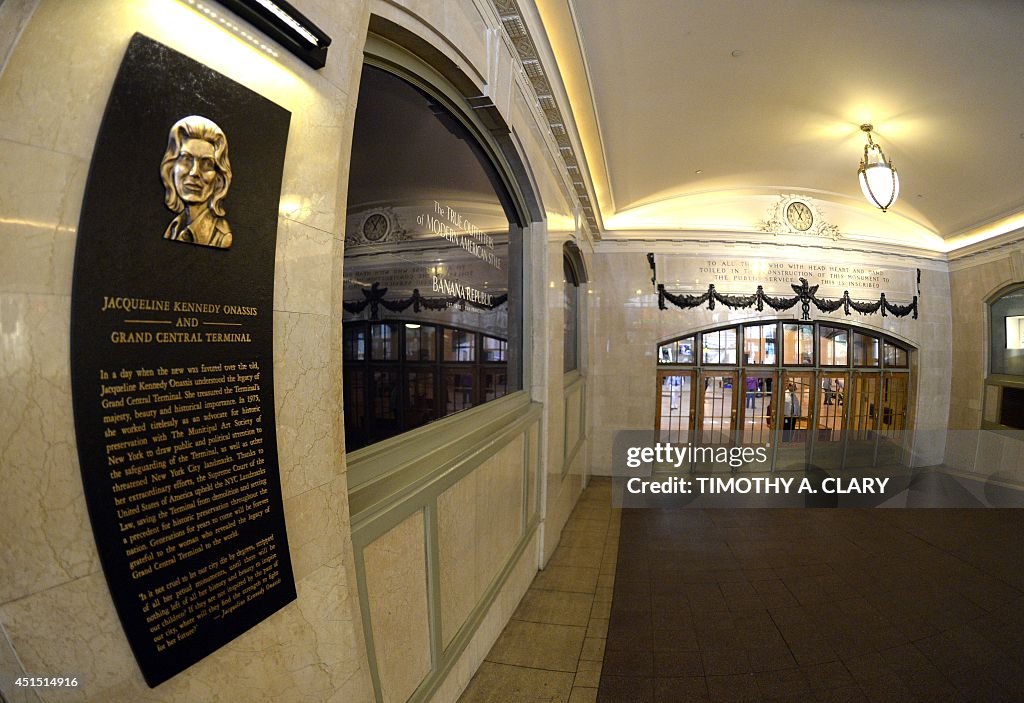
<point x="375" y="227"/>
<point x="799" y="216"/>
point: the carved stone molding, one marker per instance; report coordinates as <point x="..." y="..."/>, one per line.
<point x="515" y="27"/>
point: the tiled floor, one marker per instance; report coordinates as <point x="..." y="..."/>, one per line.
<point x="817" y="605"/>
<point x="769" y="605"/>
<point x="551" y="650"/>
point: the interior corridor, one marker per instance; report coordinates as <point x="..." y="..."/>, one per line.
<point x="768" y="605"/>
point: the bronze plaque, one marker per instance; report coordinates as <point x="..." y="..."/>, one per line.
<point x="172" y="357"/>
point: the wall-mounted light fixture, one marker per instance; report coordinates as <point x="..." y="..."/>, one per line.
<point x="285" y="25"/>
<point x="877" y="175"/>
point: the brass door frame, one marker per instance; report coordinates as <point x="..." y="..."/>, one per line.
<point x="701" y="394"/>
<point x="662" y="375"/>
<point x="771" y="404"/>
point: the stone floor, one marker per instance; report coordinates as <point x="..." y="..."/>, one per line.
<point x="768" y="605"/>
<point x="552" y="648"/>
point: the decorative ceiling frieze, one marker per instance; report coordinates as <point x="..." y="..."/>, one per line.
<point x="515" y="27"/>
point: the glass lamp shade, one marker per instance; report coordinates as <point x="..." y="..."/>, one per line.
<point x="878" y="179"/>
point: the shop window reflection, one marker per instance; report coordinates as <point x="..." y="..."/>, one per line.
<point x="355" y="343"/>
<point x="458" y="387"/>
<point x="432" y="298"/>
<point x="494" y="349"/>
<point x="495" y="383"/>
<point x="459" y="345"/>
<point x="384" y="338"/>
<point x="420" y="342"/>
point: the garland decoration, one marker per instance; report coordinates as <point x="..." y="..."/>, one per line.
<point x="374" y="298"/>
<point x="806" y="295"/>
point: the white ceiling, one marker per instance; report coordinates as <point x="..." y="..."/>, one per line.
<point x="766" y="98"/>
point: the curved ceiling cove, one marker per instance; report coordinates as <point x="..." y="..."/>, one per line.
<point x="696" y="115"/>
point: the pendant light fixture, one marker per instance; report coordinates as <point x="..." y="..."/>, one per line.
<point x="877" y="175"/>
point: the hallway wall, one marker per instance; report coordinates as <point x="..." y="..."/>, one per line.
<point x="56" y="615"/>
<point x="974" y="278"/>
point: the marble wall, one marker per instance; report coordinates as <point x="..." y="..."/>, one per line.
<point x="974" y="279"/>
<point x="567" y="469"/>
<point x="59" y="61"/>
<point x="628" y="327"/>
<point x="55" y="609"/>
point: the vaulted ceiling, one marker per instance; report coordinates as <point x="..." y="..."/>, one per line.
<point x="696" y="116"/>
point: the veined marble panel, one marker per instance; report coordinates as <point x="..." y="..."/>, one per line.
<point x="39" y="205"/>
<point x="456" y="539"/>
<point x="306" y="394"/>
<point x="396" y="583"/>
<point x="47" y="537"/>
<point x="499" y="510"/>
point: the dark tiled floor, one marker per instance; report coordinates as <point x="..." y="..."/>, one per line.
<point x="817" y="605"/>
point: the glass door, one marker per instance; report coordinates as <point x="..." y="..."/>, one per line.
<point x="831" y="421"/>
<point x="755" y="428"/>
<point x="717" y="414"/>
<point x="893" y="418"/>
<point x="863" y="420"/>
<point x="794" y="414"/>
<point x="675" y="409"/>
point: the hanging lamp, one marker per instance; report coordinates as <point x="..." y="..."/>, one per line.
<point x="878" y="179"/>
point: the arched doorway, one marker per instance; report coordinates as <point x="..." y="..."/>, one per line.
<point x="821" y="393"/>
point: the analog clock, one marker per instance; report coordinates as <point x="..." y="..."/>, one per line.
<point x="799" y="216"/>
<point x="375" y="227"/>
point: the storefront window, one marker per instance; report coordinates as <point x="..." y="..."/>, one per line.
<point x="433" y="265"/>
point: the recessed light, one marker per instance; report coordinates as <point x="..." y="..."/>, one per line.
<point x="699" y="171"/>
<point x="736" y="53"/>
